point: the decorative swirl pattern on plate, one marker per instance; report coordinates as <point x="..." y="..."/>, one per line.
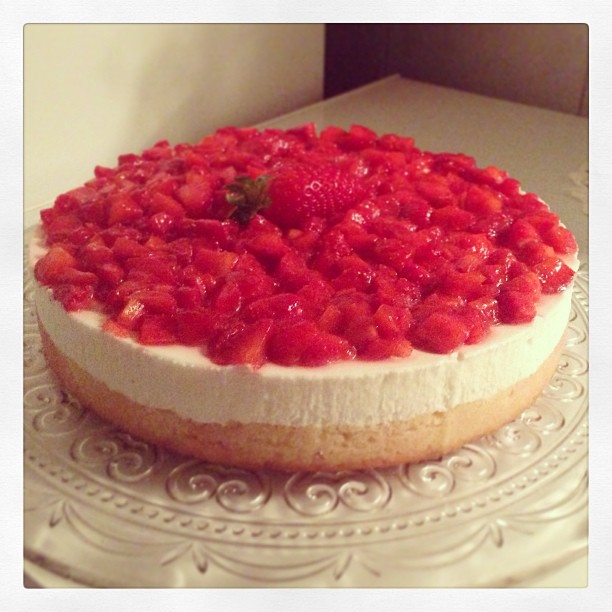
<point x="438" y="478"/>
<point x="33" y="359"/>
<point x="543" y="417"/>
<point x="123" y="458"/>
<point x="56" y="412"/>
<point x="240" y="491"/>
<point x="320" y="493"/>
<point x="564" y="389"/>
<point x="516" y="438"/>
<point x="572" y="365"/>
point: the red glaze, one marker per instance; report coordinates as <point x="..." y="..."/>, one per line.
<point x="361" y="247"/>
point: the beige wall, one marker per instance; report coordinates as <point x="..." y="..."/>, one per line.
<point x="94" y="91"/>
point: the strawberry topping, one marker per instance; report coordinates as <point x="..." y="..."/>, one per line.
<point x="294" y="248"/>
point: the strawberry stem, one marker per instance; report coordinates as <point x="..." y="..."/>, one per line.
<point x="247" y="196"/>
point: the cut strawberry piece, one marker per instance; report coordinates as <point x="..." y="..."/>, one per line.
<point x="554" y="275"/>
<point x="241" y="343"/>
<point x="331" y="319"/>
<point x="520" y="233"/>
<point x="123" y="209"/>
<point x="195" y="326"/>
<point x="112" y="327"/>
<point x="157" y="330"/>
<point x="49" y="268"/>
<point x="527" y="283"/>
<point x="110" y="273"/>
<point x="74" y="297"/>
<point x="276" y="307"/>
<point x="468" y="285"/>
<point x="561" y="239"/>
<point x="161" y="224"/>
<point x="217" y="263"/>
<point x="435" y="190"/>
<point x="516" y="307"/>
<point x="155" y="301"/>
<point x="72" y="276"/>
<point x="62" y="226"/>
<point x="452" y="218"/>
<point x="131" y="314"/>
<point x="360" y="331"/>
<point x="268" y="247"/>
<point x="358" y="137"/>
<point x="386" y="348"/>
<point x="307" y="345"/>
<point x="534" y="252"/>
<point x="482" y="202"/>
<point x="154" y="268"/>
<point x="163" y="203"/>
<point x="440" y="332"/>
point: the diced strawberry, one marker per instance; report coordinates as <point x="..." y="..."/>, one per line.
<point x="554" y="275"/>
<point x="519" y="233"/>
<point x="123" y="209"/>
<point x="331" y="319"/>
<point x="125" y="247"/>
<point x="217" y="263"/>
<point x="516" y="307"/>
<point x="304" y="132"/>
<point x="360" y="331"/>
<point x="110" y="273"/>
<point x="358" y="137"/>
<point x="452" y="218"/>
<point x="267" y="247"/>
<point x="276" y="307"/>
<point x="112" y="327"/>
<point x="72" y="276"/>
<point x="241" y="343"/>
<point x="49" y="268"/>
<point x="163" y="203"/>
<point x="392" y="321"/>
<point x="440" y="332"/>
<point x="60" y="228"/>
<point x="466" y="284"/>
<point x="74" y="297"/>
<point x="534" y="252"/>
<point x="435" y="190"/>
<point x="154" y="268"/>
<point x="195" y="326"/>
<point x="385" y="348"/>
<point x="131" y="314"/>
<point x="293" y="273"/>
<point x="480" y="315"/>
<point x="155" y="301"/>
<point x="161" y="224"/>
<point x="527" y="283"/>
<point x="482" y="201"/>
<point x="157" y="330"/>
<point x="542" y="221"/>
<point x="561" y="239"/>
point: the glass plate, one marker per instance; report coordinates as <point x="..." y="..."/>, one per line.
<point x="105" y="509"/>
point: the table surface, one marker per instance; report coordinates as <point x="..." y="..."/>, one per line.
<point x="545" y="150"/>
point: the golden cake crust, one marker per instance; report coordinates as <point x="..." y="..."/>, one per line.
<point x="309" y="448"/>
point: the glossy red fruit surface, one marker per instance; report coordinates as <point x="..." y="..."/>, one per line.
<point x="302" y="249"/>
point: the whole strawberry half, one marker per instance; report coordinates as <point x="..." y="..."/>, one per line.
<point x="294" y="194"/>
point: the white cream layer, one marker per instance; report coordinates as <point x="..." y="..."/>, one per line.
<point x="181" y="379"/>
